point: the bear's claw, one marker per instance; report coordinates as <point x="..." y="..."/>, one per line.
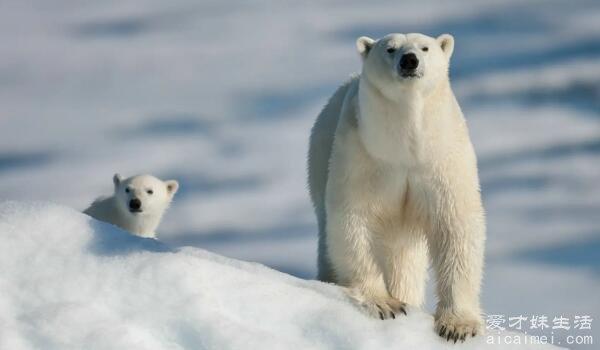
<point x="387" y="309"/>
<point x="455" y="329"/>
<point x="382" y="308"/>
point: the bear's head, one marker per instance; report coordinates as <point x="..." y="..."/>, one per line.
<point x="398" y="62"/>
<point x="143" y="195"/>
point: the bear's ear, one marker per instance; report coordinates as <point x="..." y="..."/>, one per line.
<point x="446" y="42"/>
<point x="117" y="179"/>
<point x="172" y="187"/>
<point x="364" y="44"/>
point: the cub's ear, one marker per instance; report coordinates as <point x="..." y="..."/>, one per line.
<point x="117" y="179"/>
<point x="446" y="42"/>
<point x="172" y="187"/>
<point x="364" y="44"/>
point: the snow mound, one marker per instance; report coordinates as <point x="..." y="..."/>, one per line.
<point x="70" y="282"/>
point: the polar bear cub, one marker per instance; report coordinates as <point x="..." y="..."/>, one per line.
<point x="393" y="179"/>
<point x="137" y="204"/>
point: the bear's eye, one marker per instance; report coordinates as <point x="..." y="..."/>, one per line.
<point x="127" y="190"/>
<point x="391" y="49"/>
<point x="425" y="48"/>
<point x="149" y="191"/>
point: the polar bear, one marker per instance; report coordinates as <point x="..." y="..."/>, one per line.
<point x="137" y="204"/>
<point x="393" y="179"/>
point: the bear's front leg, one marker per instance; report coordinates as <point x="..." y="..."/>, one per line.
<point x="457" y="252"/>
<point x="353" y="260"/>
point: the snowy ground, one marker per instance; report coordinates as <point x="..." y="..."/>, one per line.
<point x="221" y="95"/>
<point x="70" y="282"/>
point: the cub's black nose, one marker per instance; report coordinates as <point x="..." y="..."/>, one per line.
<point x="135" y="204"/>
<point x="409" y="61"/>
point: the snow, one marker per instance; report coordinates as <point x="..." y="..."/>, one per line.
<point x="221" y="95"/>
<point x="71" y="282"/>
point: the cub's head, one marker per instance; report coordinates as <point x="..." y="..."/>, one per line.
<point x="143" y="195"/>
<point x="398" y="62"/>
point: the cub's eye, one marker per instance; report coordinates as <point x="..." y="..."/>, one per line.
<point x="127" y="190"/>
<point x="425" y="49"/>
<point x="149" y="191"/>
<point x="391" y="49"/>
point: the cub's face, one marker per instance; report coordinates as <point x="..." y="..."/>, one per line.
<point x="398" y="62"/>
<point x="143" y="195"/>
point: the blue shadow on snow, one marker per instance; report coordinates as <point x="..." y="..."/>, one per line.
<point x="175" y="124"/>
<point x="583" y="253"/>
<point x="13" y="160"/>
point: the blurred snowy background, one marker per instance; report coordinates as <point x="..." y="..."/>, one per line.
<point x="221" y="95"/>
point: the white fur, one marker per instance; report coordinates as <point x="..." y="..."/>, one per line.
<point x="115" y="209"/>
<point x="393" y="176"/>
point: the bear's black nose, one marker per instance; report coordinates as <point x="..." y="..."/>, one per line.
<point x="409" y="61"/>
<point x="135" y="204"/>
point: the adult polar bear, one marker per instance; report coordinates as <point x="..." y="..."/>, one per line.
<point x="393" y="175"/>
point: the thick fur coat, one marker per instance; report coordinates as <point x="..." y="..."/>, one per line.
<point x="137" y="205"/>
<point x="393" y="179"/>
